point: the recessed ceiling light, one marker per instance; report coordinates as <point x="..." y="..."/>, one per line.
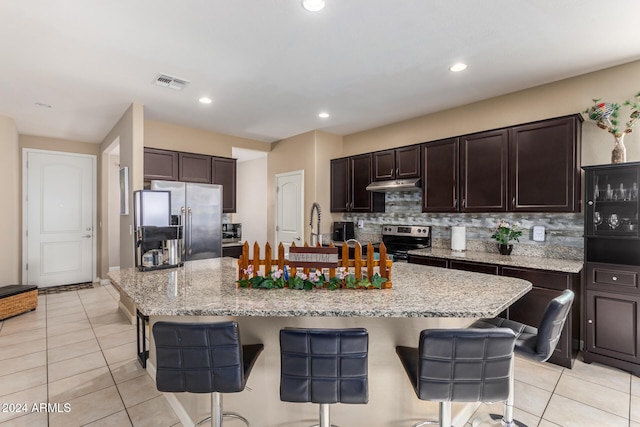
<point x="205" y="100"/>
<point x="43" y="105"/>
<point x="458" y="67"/>
<point x="323" y="115"/>
<point x="313" y="5"/>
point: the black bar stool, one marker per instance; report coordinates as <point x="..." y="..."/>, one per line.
<point x="324" y="366"/>
<point x="203" y="358"/>
<point x="459" y="365"/>
<point x="532" y="343"/>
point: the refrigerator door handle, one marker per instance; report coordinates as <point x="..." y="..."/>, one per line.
<point x="184" y="233"/>
<point x="190" y="224"/>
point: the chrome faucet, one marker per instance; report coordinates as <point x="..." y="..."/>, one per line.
<point x="314" y="238"/>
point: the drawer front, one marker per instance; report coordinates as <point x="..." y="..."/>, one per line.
<point x="614" y="278"/>
<point x="541" y="279"/>
<point x="474" y="267"/>
<point x="434" y="262"/>
<point x="611" y="277"/>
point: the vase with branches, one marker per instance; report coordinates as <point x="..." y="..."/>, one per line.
<point x="606" y="115"/>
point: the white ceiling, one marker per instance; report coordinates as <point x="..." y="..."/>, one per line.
<point x="271" y="66"/>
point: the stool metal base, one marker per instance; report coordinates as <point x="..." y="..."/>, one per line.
<point x="444" y="415"/>
<point x="217" y="415"/>
<point x="505" y="420"/>
<point x="495" y="420"/>
<point x="325" y="419"/>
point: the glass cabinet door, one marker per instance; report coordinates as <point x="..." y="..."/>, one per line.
<point x="612" y="202"/>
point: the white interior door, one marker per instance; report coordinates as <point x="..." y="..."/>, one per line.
<point x="289" y="209"/>
<point x="59" y="208"/>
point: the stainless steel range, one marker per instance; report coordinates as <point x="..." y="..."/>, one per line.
<point x="402" y="238"/>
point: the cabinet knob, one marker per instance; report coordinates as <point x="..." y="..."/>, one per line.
<point x="614" y="278"/>
<point x="589" y="321"/>
<point x="590" y="202"/>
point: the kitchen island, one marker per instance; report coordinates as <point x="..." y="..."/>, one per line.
<point x="422" y="297"/>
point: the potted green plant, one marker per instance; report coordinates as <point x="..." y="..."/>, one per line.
<point x="505" y="233"/>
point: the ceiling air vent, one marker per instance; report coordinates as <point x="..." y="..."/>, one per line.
<point x="171" y="82"/>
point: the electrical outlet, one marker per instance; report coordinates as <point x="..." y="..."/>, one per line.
<point x="360" y="223"/>
<point x="538" y="233"/>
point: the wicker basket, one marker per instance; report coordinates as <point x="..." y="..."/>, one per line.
<point x="17" y="303"/>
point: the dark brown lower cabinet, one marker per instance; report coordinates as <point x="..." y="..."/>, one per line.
<point x="612" y="334"/>
<point x="232" y="251"/>
<point x="529" y="309"/>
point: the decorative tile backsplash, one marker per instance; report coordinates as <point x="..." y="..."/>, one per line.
<point x="563" y="231"/>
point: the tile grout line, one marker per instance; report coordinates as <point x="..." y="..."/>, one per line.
<point x="106" y="362"/>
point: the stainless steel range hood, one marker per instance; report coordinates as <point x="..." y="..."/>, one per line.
<point x="395" y="185"/>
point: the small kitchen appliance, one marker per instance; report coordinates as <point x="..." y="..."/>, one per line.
<point x="157" y="244"/>
<point x="231" y="233"/>
<point x="399" y="239"/>
<point x="343" y="231"/>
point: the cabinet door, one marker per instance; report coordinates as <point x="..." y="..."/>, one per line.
<point x="384" y="165"/>
<point x="612" y="201"/>
<point x="612" y="325"/>
<point x="543" y="168"/>
<point x="440" y="176"/>
<point x="408" y="162"/>
<point x="224" y="173"/>
<point x="483" y="171"/>
<point x="194" y="168"/>
<point x="340" y="185"/>
<point x="363" y="200"/>
<point x="160" y="164"/>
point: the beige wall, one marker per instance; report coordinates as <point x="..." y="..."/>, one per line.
<point x="129" y="132"/>
<point x="10" y="166"/>
<point x="169" y="136"/>
<point x="310" y="152"/>
<point x="252" y="195"/>
<point x="561" y="98"/>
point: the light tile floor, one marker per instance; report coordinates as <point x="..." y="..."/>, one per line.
<point x="76" y="352"/>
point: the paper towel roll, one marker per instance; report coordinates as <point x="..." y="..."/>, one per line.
<point x="458" y="239"/>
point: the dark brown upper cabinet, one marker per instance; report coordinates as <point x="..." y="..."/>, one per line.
<point x="224" y="173"/>
<point x="191" y="167"/>
<point x="544" y="166"/>
<point x="483" y="171"/>
<point x="194" y="168"/>
<point x="440" y="176"/>
<point x="532" y="167"/>
<point x="399" y="163"/>
<point x="349" y="179"/>
<point x="160" y="164"/>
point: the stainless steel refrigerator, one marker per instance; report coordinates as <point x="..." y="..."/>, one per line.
<point x="198" y="208"/>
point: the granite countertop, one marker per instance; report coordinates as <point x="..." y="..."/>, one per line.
<point x="552" y="264"/>
<point x="208" y="287"/>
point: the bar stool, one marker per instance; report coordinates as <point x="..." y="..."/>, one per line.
<point x="203" y="358"/>
<point x="459" y="365"/>
<point x="532" y="343"/>
<point x="324" y="366"/>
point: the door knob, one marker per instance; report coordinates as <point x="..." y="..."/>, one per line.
<point x="298" y="238"/>
<point x="589" y="321"/>
<point x="86" y="236"/>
